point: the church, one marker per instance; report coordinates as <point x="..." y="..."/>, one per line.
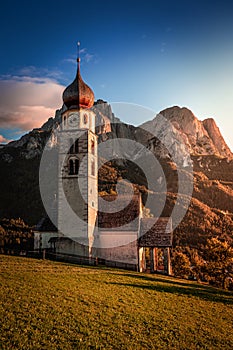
<point x="109" y="229"/>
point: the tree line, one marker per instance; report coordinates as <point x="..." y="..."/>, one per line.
<point x="211" y="262"/>
<point x="15" y="236"/>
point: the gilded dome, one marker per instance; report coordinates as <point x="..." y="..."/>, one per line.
<point x="78" y="94"/>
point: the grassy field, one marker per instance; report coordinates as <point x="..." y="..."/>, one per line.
<point x="49" y="305"/>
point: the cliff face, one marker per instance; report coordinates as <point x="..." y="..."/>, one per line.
<point x="216" y="137"/>
<point x="175" y="134"/>
<point x="200" y="137"/>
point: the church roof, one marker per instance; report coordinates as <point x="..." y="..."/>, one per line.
<point x="125" y="219"/>
<point x="155" y="232"/>
<point x="59" y="239"/>
<point x="46" y="225"/>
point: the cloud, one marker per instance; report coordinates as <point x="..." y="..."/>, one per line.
<point x="27" y="71"/>
<point x="85" y="56"/>
<point x="3" y="139"/>
<point x="70" y="60"/>
<point x="27" y="102"/>
<point x="163" y="47"/>
<point x="32" y="71"/>
<point x="88" y="57"/>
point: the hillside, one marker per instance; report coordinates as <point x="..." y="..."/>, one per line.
<point x="48" y="305"/>
<point x="211" y="209"/>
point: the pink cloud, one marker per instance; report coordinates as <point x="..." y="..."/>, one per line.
<point x="26" y="102"/>
<point x="26" y="118"/>
<point x="3" y="139"/>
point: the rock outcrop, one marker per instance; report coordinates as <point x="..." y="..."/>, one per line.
<point x="217" y="138"/>
<point x="200" y="137"/>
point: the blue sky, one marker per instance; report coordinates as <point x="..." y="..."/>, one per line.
<point x="153" y="53"/>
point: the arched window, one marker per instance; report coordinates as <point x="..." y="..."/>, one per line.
<point x="92" y="146"/>
<point x="85" y="118"/>
<point x="71" y="167"/>
<point x="76" y="166"/>
<point x="93" y="168"/>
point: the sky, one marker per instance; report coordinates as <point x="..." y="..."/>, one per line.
<point x="153" y="53"/>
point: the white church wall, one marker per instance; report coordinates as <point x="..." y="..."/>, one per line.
<point x="122" y="247"/>
<point x="71" y="247"/>
<point x="41" y="239"/>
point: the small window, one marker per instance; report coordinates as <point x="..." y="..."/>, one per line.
<point x="92" y="146"/>
<point x="93" y="204"/>
<point x="93" y="168"/>
<point x="65" y="120"/>
<point x="85" y="118"/>
<point x="73" y="166"/>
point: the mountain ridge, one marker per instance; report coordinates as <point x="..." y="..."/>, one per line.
<point x="211" y="210"/>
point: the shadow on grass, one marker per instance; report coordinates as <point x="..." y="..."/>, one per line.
<point x="169" y="285"/>
<point x="206" y="293"/>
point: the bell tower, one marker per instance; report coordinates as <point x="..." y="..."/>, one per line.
<point x="78" y="166"/>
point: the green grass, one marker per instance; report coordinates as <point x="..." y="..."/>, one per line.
<point x="49" y="305"/>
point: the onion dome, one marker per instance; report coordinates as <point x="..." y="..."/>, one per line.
<point x="78" y="94"/>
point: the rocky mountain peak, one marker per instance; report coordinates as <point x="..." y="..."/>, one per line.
<point x="201" y="137"/>
<point x="184" y="120"/>
<point x="177" y="113"/>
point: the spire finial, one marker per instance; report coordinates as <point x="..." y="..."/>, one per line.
<point x="78" y="59"/>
